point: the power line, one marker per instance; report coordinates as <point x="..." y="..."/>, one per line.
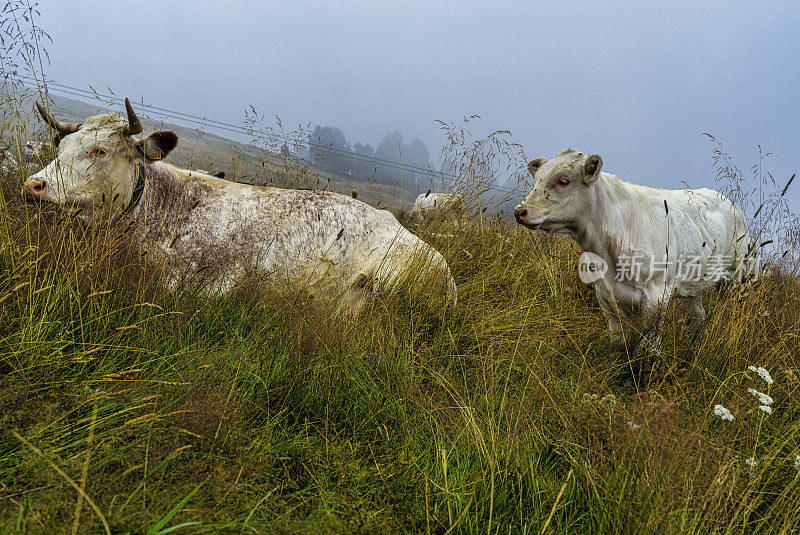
<point x="221" y="125"/>
<point x="236" y="129"/>
<point x="74" y="91"/>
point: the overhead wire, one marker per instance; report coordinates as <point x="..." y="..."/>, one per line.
<point x="206" y="122"/>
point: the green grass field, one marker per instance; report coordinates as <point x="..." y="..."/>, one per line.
<point x="125" y="408"/>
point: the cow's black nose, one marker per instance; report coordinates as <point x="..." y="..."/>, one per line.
<point x="520" y="213"/>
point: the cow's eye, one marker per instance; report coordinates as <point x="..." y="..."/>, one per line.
<point x="562" y="182"/>
<point x="97" y="151"/>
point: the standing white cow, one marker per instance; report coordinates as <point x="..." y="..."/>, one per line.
<point x="438" y="206"/>
<point x="331" y="244"/>
<point x="654" y="242"/>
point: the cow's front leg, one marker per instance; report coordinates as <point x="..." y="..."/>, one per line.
<point x="648" y="350"/>
<point x="691" y="312"/>
<point x="616" y="328"/>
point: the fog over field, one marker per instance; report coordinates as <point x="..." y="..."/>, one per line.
<point x="637" y="84"/>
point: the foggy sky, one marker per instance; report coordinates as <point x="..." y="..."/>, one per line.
<point x="636" y="83"/>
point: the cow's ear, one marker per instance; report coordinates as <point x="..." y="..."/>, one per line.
<point x="591" y="168"/>
<point x="157" y="145"/>
<point x="534" y="165"/>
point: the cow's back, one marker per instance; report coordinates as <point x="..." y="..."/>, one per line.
<point x="323" y="240"/>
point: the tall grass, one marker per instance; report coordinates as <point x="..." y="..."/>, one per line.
<point x="128" y="408"/>
<point x="512" y="414"/>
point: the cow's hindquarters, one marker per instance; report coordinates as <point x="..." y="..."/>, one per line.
<point x="403" y="263"/>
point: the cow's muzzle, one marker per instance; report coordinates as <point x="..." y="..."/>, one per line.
<point x="35" y="188"/>
<point x="522" y="215"/>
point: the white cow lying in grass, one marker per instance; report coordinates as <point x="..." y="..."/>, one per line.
<point x="333" y="245"/>
<point x="654" y="242"/>
<point x="446" y="207"/>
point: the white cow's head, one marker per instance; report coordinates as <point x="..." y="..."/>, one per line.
<point x="560" y="195"/>
<point x="98" y="161"/>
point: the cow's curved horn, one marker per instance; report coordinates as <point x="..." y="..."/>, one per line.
<point x="134" y="125"/>
<point x="64" y="128"/>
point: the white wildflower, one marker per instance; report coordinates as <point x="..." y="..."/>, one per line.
<point x="723" y="413"/>
<point x="765" y="313"/>
<point x="797" y="463"/>
<point x="609" y="401"/>
<point x="469" y="255"/>
<point x="763" y="373"/>
<point x="763" y="398"/>
<point x="588" y="398"/>
<point x="751" y="461"/>
<point x="766" y="408"/>
<point x="633" y="426"/>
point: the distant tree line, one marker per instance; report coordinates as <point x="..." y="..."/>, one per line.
<point x="329" y="148"/>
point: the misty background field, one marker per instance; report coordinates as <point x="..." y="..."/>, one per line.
<point x="128" y="408"/>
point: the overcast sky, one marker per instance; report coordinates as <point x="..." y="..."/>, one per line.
<point x="635" y="82"/>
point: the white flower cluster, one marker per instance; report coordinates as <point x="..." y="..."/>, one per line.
<point x="764" y="399"/>
<point x="607" y="401"/>
<point x="797" y="463"/>
<point x="723" y="413"/>
<point x="763" y="373"/>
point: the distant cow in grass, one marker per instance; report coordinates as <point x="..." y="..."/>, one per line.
<point x="333" y="245"/>
<point x="654" y="242"/>
<point x="8" y="164"/>
<point x="219" y="174"/>
<point x="36" y="155"/>
<point x="430" y="206"/>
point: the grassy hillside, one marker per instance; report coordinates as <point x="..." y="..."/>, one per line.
<point x="130" y="409"/>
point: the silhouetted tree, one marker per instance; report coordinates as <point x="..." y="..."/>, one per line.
<point x="390" y="148"/>
<point x="328" y="146"/>
<point x="363" y="168"/>
<point x="393" y="148"/>
<point x="417" y="155"/>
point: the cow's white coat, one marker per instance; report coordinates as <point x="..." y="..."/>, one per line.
<point x="333" y="245"/>
<point x="437" y="205"/>
<point x="620" y="221"/>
